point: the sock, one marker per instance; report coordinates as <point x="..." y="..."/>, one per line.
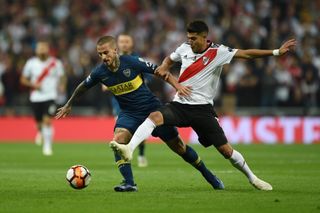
<point x="141" y="149"/>
<point x="142" y="133"/>
<point x="192" y="157"/>
<point x="47" y="133"/>
<point x="125" y="169"/>
<point x="238" y="161"/>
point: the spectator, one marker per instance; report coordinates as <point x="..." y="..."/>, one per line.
<point x="247" y="89"/>
<point x="284" y="82"/>
<point x="309" y="87"/>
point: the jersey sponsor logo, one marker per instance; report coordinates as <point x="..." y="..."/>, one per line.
<point x="126" y="87"/>
<point x="198" y="65"/>
<point x="127" y="72"/>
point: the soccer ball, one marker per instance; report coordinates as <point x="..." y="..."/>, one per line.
<point x="78" y="176"/>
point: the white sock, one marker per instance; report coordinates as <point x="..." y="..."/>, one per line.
<point x="141" y="134"/>
<point x="238" y="161"/>
<point x="47" y="132"/>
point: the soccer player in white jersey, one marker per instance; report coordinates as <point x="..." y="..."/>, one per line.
<point x="202" y="63"/>
<point x="44" y="75"/>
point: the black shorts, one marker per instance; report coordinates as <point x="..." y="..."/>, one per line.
<point x="43" y="108"/>
<point x="202" y="119"/>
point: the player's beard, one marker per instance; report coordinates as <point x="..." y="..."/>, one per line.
<point x="43" y="56"/>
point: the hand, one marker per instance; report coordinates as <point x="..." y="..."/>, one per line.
<point x="287" y="46"/>
<point x="36" y="86"/>
<point x="184" y="91"/>
<point x="162" y="72"/>
<point x="63" y="111"/>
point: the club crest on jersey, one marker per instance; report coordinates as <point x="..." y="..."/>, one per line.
<point x="127" y="72"/>
<point x="205" y="60"/>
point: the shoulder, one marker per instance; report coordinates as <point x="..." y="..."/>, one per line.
<point x="128" y="58"/>
<point x="32" y="60"/>
<point x="183" y="47"/>
<point x="134" y="54"/>
<point x="56" y="60"/>
<point x="225" y="49"/>
<point x="214" y="45"/>
<point x="100" y="68"/>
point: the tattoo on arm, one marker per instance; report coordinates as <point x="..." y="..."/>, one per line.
<point x="80" y="90"/>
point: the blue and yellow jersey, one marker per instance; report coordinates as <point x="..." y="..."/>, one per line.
<point x="127" y="84"/>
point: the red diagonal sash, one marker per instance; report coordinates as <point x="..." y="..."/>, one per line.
<point x="198" y="65"/>
<point x="46" y="71"/>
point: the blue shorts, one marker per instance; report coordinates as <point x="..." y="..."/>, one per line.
<point x="131" y="122"/>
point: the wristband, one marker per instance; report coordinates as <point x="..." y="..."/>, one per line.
<point x="276" y="52"/>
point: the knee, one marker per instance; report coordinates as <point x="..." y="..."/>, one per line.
<point x="120" y="139"/>
<point x="226" y="151"/>
<point x="46" y="121"/>
<point x="156" y="117"/>
<point x="177" y="146"/>
<point x="122" y="135"/>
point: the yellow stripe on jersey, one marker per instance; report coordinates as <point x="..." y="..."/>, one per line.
<point x="126" y="87"/>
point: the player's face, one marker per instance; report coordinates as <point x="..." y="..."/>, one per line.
<point x="42" y="50"/>
<point x="198" y="42"/>
<point x="125" y="44"/>
<point x="107" y="53"/>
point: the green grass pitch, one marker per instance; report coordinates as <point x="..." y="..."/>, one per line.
<point x="31" y="182"/>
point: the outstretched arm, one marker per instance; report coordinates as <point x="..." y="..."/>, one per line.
<point x="163" y="72"/>
<point x="256" y="53"/>
<point x="66" y="109"/>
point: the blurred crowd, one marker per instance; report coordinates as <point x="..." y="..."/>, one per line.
<point x="158" y="26"/>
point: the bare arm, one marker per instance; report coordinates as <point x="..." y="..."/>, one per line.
<point x="256" y="53"/>
<point x="62" y="84"/>
<point x="26" y="82"/>
<point x="66" y="109"/>
<point x="163" y="72"/>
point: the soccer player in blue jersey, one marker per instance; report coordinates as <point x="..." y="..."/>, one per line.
<point x="123" y="77"/>
<point x="125" y="47"/>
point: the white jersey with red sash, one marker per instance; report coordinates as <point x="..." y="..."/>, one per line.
<point x="46" y="73"/>
<point x="201" y="71"/>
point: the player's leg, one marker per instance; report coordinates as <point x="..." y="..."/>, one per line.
<point x="142" y="133"/>
<point x="190" y="155"/>
<point x="47" y="132"/>
<point x="142" y="159"/>
<point x="39" y="138"/>
<point x="123" y="136"/>
<point x="38" y="113"/>
<point x="238" y="161"/>
<point x="47" y="129"/>
<point x="206" y="125"/>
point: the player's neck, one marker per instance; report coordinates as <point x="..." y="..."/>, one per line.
<point x="43" y="57"/>
<point x="115" y="65"/>
<point x="204" y="47"/>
